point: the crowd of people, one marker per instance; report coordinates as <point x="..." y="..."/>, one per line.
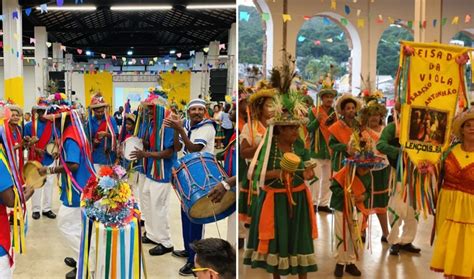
<point x="299" y="158"/>
<point x="74" y="145"/>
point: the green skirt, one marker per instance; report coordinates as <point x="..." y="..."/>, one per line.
<point x="219" y="132"/>
<point x="292" y="249"/>
<point x="381" y="182"/>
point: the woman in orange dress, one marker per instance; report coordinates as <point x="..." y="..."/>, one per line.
<point x="453" y="250"/>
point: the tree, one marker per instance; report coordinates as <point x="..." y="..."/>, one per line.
<point x="320" y="67"/>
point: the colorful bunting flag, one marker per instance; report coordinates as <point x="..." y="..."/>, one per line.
<point x="455" y="20"/>
<point x="424" y="24"/>
<point x="103" y="55"/>
<point x="390" y="20"/>
<point x="178" y="54"/>
<point x="360" y="23"/>
<point x="326" y="21"/>
<point x="1" y="18"/>
<point x="467" y="18"/>
<point x="28" y="11"/>
<point x="306" y="17"/>
<point x="344" y="21"/>
<point x="48" y="44"/>
<point x="206" y="49"/>
<point x="15" y="14"/>
<point x="79" y="51"/>
<point x="301" y="39"/>
<point x="443" y="21"/>
<point x="286" y="17"/>
<point x="59" y="3"/>
<point x="317" y="42"/>
<point x="347" y="9"/>
<point x="244" y="16"/>
<point x="358" y="12"/>
<point x="221" y="47"/>
<point x="434" y="22"/>
<point x="410" y="24"/>
<point x="114" y="57"/>
<point x="265" y="16"/>
<point x="44" y="8"/>
<point x="192" y="53"/>
<point x="379" y="19"/>
<point x="63" y="48"/>
<point x="32" y="41"/>
<point x="333" y="4"/>
<point x="330" y="40"/>
<point x="15" y="36"/>
<point x="155" y="59"/>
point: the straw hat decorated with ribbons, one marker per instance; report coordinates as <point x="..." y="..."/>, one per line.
<point x="460" y="119"/>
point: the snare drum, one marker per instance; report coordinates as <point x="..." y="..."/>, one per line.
<point x="194" y="176"/>
<point x="129" y="146"/>
<point x="31" y="174"/>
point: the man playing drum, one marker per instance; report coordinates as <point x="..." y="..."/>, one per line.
<point x="196" y="134"/>
<point x="39" y="133"/>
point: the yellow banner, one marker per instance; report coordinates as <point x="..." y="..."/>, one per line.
<point x="14" y="90"/>
<point x="99" y="82"/>
<point x="433" y="85"/>
<point x="178" y="86"/>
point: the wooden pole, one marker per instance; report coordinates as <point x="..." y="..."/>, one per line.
<point x="285" y="24"/>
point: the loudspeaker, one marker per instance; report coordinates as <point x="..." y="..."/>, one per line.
<point x="218" y="84"/>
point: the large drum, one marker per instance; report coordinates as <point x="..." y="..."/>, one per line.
<point x="194" y="176"/>
<point x="129" y="146"/>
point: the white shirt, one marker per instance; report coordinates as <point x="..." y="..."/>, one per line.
<point x="202" y="133"/>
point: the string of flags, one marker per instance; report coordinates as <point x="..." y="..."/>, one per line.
<point x="379" y="19"/>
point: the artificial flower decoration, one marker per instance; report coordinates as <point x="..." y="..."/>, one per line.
<point x="108" y="198"/>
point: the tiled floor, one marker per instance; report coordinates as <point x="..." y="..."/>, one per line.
<point x="46" y="251"/>
<point x="375" y="263"/>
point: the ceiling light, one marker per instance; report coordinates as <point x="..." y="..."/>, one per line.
<point x="203" y="7"/>
<point x="70" y="8"/>
<point x="172" y="51"/>
<point x="29" y="47"/>
<point x="129" y="52"/>
<point x="141" y="8"/>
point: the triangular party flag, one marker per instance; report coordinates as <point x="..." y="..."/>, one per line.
<point x="358" y="12"/>
<point x="434" y="22"/>
<point x="13" y="51"/>
<point x="390" y="20"/>
<point x="360" y="23"/>
<point x="301" y="39"/>
<point x="48" y="44"/>
<point x="192" y="53"/>
<point x="333" y="4"/>
<point x="443" y="21"/>
<point x="114" y="57"/>
<point x="28" y="11"/>
<point x="63" y="48"/>
<point x="44" y="8"/>
<point x="178" y="54"/>
<point x="317" y="42"/>
<point x="424" y="24"/>
<point x="330" y="40"/>
<point x="155" y="59"/>
<point x="142" y="62"/>
<point x="244" y="16"/>
<point x="347" y="9"/>
<point x="32" y="41"/>
<point x="79" y="1"/>
<point x="265" y="16"/>
<point x="306" y="17"/>
<point x="1" y="44"/>
<point x="206" y="49"/>
<point x="59" y="3"/>
<point x="150" y="63"/>
<point x="467" y="18"/>
<point x="15" y="36"/>
<point x="410" y="24"/>
<point x="1" y="18"/>
<point x="326" y="21"/>
<point x="79" y="51"/>
<point x="379" y="19"/>
<point x="455" y="20"/>
<point x="286" y="17"/>
<point x="102" y="55"/>
<point x="344" y="21"/>
<point x="17" y="54"/>
<point x="221" y="46"/>
<point x="15" y="14"/>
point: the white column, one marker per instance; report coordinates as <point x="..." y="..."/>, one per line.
<point x="57" y="51"/>
<point x="41" y="53"/>
<point x="213" y="53"/>
<point x="427" y="12"/>
<point x="231" y="51"/>
<point x="13" y="64"/>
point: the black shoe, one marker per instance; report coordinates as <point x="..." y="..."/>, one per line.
<point x="353" y="270"/>
<point x="159" y="250"/>
<point x="142" y="223"/>
<point x="241" y="243"/>
<point x="324" y="209"/>
<point x="49" y="214"/>
<point x="35" y="215"/>
<point x="410" y="248"/>
<point x="395" y="249"/>
<point x="339" y="271"/>
<point x="146" y="240"/>
<point x="70" y="262"/>
<point x="384" y="239"/>
<point x="71" y="274"/>
<point x="180" y="253"/>
<point x="187" y="270"/>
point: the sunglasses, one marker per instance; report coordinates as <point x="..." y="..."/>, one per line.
<point x="194" y="270"/>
